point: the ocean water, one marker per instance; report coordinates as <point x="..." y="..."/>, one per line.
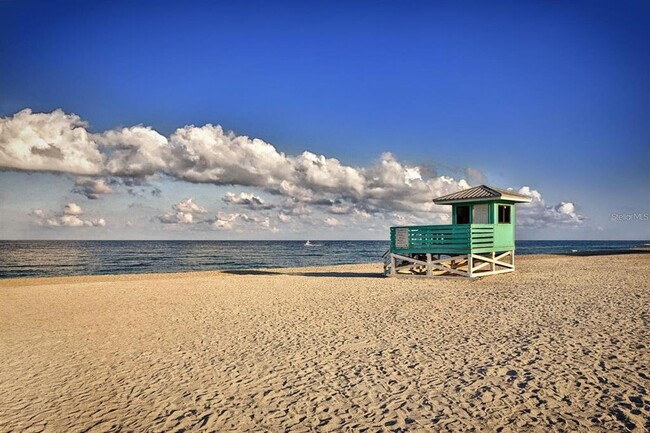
<point x="58" y="258"/>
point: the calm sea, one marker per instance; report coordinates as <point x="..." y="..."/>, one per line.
<point x="56" y="258"/>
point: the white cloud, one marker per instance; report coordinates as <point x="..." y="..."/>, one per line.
<point x="38" y="213"/>
<point x="69" y="216"/>
<point x="137" y="151"/>
<point x="284" y="217"/>
<point x="72" y="209"/>
<point x="305" y="186"/>
<point x="91" y="188"/>
<point x="183" y="213"/>
<point x="392" y="185"/>
<point x="224" y="221"/>
<point x="207" y="154"/>
<point x="176" y="218"/>
<point x="261" y="221"/>
<point x="538" y="214"/>
<point x="247" y="200"/>
<point x="328" y="174"/>
<point x="362" y="214"/>
<point x="332" y="222"/>
<point x="406" y="219"/>
<point x="53" y="141"/>
<point x="234" y="221"/>
<point x="292" y="207"/>
<point x="188" y="206"/>
<point x="71" y="221"/>
<point x="341" y="209"/>
<point x="294" y="191"/>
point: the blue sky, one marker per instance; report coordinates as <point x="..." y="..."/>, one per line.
<point x="553" y="96"/>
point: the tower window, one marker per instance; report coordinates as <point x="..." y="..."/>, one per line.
<point x="504" y="214"/>
<point x="462" y="214"/>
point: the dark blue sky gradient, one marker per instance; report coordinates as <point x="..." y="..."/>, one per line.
<point x="549" y="93"/>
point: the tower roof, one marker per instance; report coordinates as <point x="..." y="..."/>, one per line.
<point x="481" y="193"/>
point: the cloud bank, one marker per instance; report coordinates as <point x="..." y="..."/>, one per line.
<point x="184" y="212"/>
<point x="247" y="200"/>
<point x="69" y="216"/>
<point x="538" y="214"/>
<point x="92" y="188"/>
<point x="302" y="184"/>
<point x="60" y="142"/>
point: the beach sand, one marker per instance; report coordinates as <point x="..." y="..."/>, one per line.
<point x="562" y="344"/>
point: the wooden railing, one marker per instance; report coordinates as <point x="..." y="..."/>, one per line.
<point x="442" y="239"/>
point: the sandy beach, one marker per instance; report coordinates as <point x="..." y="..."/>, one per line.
<point x="562" y="344"/>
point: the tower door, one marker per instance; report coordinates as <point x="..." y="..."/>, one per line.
<point x="480" y="214"/>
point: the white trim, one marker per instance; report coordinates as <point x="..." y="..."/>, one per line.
<point x="480" y="199"/>
<point x="464" y="265"/>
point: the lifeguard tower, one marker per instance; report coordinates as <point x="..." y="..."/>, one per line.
<point x="480" y="241"/>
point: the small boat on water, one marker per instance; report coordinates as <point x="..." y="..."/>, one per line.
<point x="308" y="244"/>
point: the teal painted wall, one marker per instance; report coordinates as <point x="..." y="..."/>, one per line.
<point x="504" y="234"/>
<point x="461" y="238"/>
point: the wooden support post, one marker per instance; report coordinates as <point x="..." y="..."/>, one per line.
<point x="450" y="266"/>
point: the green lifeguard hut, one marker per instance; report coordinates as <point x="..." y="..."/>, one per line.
<point x="480" y="240"/>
